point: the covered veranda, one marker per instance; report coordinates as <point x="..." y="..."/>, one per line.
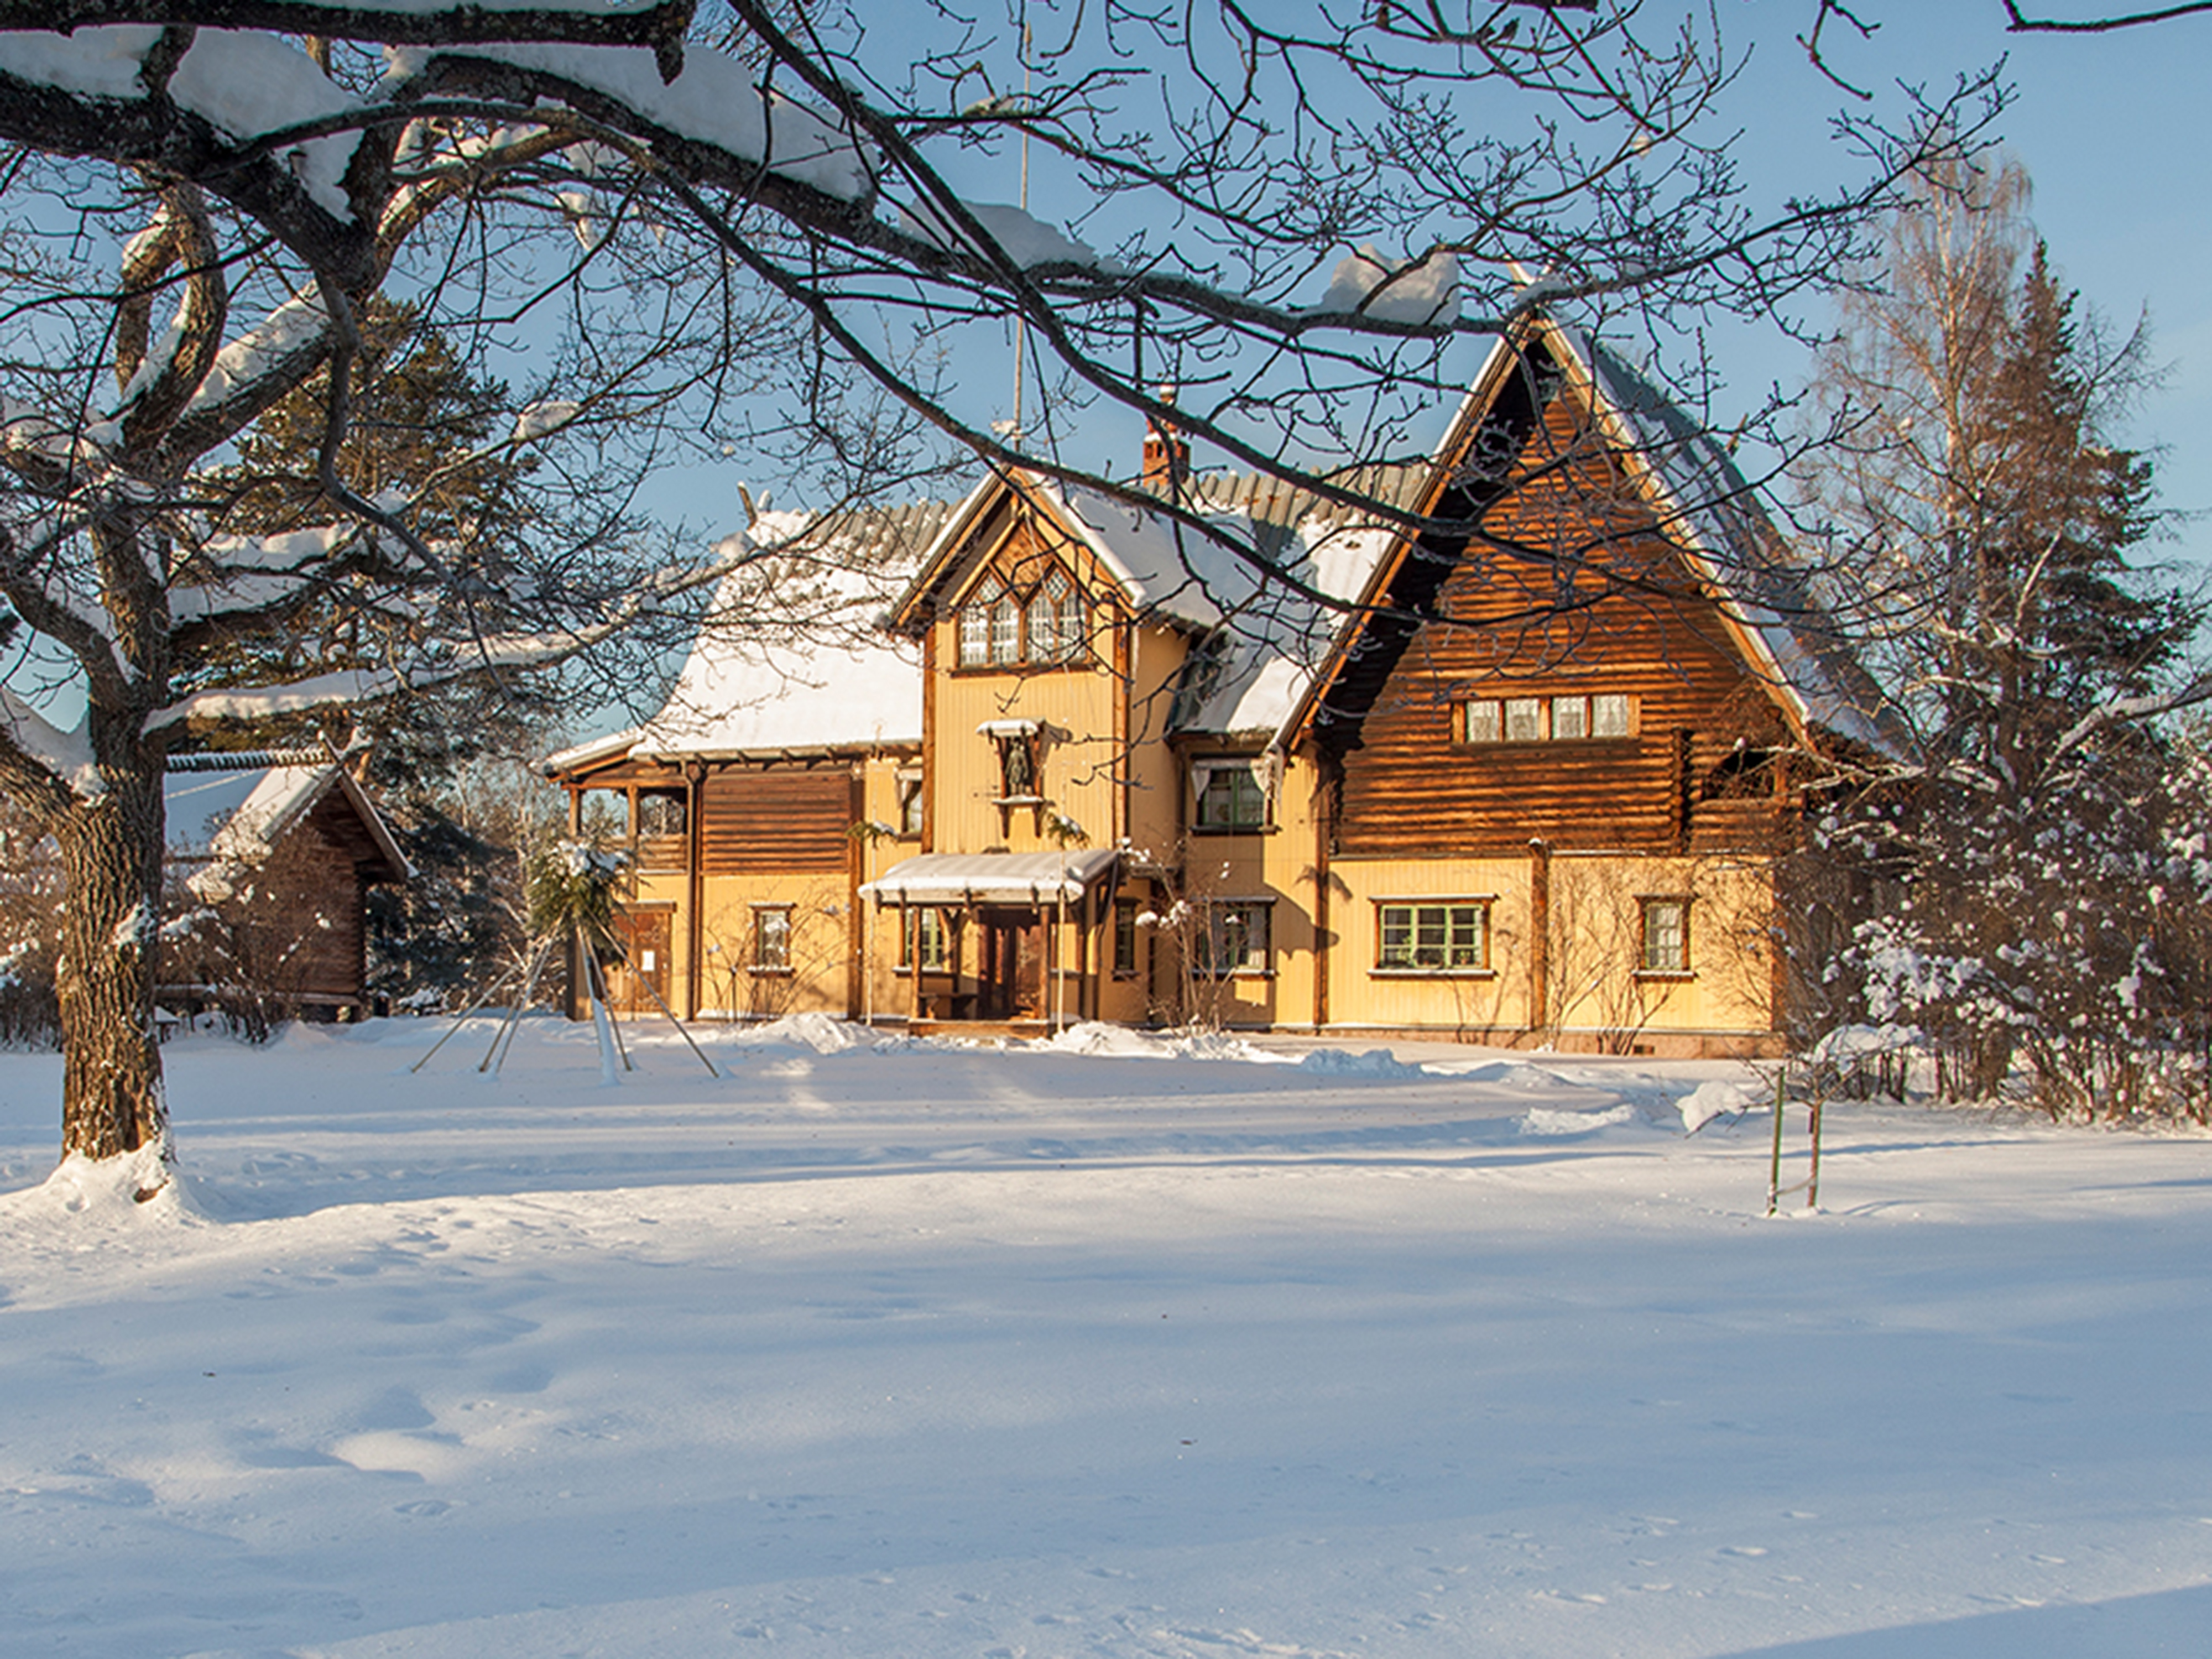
<point x="1009" y="938"/>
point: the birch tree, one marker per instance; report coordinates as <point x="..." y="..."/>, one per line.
<point x="2042" y="823"/>
<point x="736" y="231"/>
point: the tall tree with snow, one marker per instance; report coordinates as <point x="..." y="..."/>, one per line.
<point x="1991" y="524"/>
<point x="732" y="231"/>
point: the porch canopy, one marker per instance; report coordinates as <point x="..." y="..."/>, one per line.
<point x="971" y="878"/>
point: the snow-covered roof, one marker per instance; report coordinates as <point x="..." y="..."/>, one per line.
<point x="228" y="812"/>
<point x="992" y="877"/>
<point x="1711" y="513"/>
<point x="1708" y="512"/>
<point x="1264" y="637"/>
<point x="824" y="675"/>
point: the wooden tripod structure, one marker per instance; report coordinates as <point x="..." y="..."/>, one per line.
<point x="611" y="1046"/>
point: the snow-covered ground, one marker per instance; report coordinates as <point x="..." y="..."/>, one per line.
<point x="928" y="1351"/>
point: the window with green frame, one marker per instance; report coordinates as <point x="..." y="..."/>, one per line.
<point x="1432" y="936"/>
<point x="1234" y="939"/>
<point x="927" y="929"/>
<point x="1230" y="796"/>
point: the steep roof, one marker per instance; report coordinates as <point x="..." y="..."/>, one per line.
<point x="1699" y="503"/>
<point x="229" y="811"/>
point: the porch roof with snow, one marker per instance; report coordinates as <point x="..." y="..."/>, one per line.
<point x="1025" y="878"/>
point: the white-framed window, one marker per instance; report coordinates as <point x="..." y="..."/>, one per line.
<point x="1235" y="938"/>
<point x="1666" y="929"/>
<point x="771" y="939"/>
<point x="909" y="801"/>
<point x="1005" y="631"/>
<point x="1612" y="714"/>
<point x="976" y="629"/>
<point x="1567" y="718"/>
<point x="997" y="628"/>
<point x="1432" y="935"/>
<point x="1228" y="794"/>
<point x="1043" y="624"/>
<point x="1073" y="623"/>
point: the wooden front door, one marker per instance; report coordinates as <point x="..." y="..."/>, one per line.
<point x="1011" y="985"/>
<point x="632" y="984"/>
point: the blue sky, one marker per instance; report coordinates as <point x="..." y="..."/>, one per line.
<point x="2108" y="126"/>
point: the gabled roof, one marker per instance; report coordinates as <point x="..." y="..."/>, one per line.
<point x="1161" y="565"/>
<point x="229" y="811"/>
<point x="1700" y="504"/>
<point x="1263" y="636"/>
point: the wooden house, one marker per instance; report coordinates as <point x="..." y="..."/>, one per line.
<point x="270" y="859"/>
<point x="1522" y="778"/>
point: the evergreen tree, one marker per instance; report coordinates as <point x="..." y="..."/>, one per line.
<point x="1988" y="524"/>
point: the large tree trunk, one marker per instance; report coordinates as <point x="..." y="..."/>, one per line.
<point x="111" y="846"/>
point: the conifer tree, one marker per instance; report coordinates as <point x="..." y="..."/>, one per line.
<point x="1989" y="528"/>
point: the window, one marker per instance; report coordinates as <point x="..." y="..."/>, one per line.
<point x="603" y="814"/>
<point x="1056" y="621"/>
<point x="925" y="928"/>
<point x="1230" y="796"/>
<point x="659" y="812"/>
<point x="1447" y="936"/>
<point x="997" y="628"/>
<point x="771" y="939"/>
<point x="975" y="630"/>
<point x="1665" y="935"/>
<point x="909" y="803"/>
<point x="1068" y="603"/>
<point x="1125" y="936"/>
<point x="1236" y="938"/>
<point x="1548" y="720"/>
<point x="1005" y="631"/>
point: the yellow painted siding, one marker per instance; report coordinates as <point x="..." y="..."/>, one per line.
<point x="735" y="984"/>
<point x="1597" y="945"/>
<point x="1460" y="1002"/>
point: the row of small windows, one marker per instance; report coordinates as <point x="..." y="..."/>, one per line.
<point x="996" y="629"/>
<point x="1547" y="719"/>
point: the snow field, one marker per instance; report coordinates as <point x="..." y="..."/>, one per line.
<point x="1114" y="1347"/>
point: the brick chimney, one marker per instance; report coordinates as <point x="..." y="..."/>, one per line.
<point x="1167" y="454"/>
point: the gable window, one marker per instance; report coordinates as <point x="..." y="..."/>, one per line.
<point x="1548" y="720"/>
<point x="999" y="628"/>
<point x="1235" y="938"/>
<point x="975" y="630"/>
<point x="1005" y="629"/>
<point x="771" y="939"/>
<point x="1229" y="795"/>
<point x="1666" y="927"/>
<point x="1438" y="936"/>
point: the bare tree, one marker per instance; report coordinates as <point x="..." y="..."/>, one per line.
<point x="736" y="229"/>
